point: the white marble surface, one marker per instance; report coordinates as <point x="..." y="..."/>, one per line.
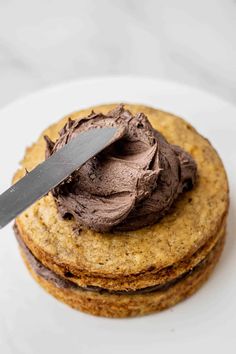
<point x="50" y="41"/>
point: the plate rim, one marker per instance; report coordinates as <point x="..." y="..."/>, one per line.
<point x="67" y="84"/>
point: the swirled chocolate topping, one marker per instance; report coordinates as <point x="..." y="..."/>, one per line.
<point x="131" y="184"/>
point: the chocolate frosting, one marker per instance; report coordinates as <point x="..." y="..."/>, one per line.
<point x="132" y="183"/>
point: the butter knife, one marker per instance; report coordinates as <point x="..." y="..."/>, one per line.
<point x="52" y="172"/>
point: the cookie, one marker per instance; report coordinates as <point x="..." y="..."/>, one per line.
<point x="116" y="304"/>
<point x="184" y="245"/>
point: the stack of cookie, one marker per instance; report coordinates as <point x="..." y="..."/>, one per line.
<point x="111" y="269"/>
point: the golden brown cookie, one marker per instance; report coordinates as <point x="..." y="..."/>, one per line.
<point x="130" y="261"/>
<point x="127" y="305"/>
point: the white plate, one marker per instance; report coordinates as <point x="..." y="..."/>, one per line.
<point x="31" y="321"/>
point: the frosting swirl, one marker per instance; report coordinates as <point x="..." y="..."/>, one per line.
<point x="130" y="184"/>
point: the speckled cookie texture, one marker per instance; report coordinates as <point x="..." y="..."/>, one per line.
<point x="180" y="250"/>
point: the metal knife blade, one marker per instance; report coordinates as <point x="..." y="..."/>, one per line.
<point x="52" y="172"/>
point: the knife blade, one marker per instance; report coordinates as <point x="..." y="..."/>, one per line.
<point x="52" y="172"/>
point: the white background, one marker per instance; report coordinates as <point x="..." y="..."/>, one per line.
<point x="43" y="42"/>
